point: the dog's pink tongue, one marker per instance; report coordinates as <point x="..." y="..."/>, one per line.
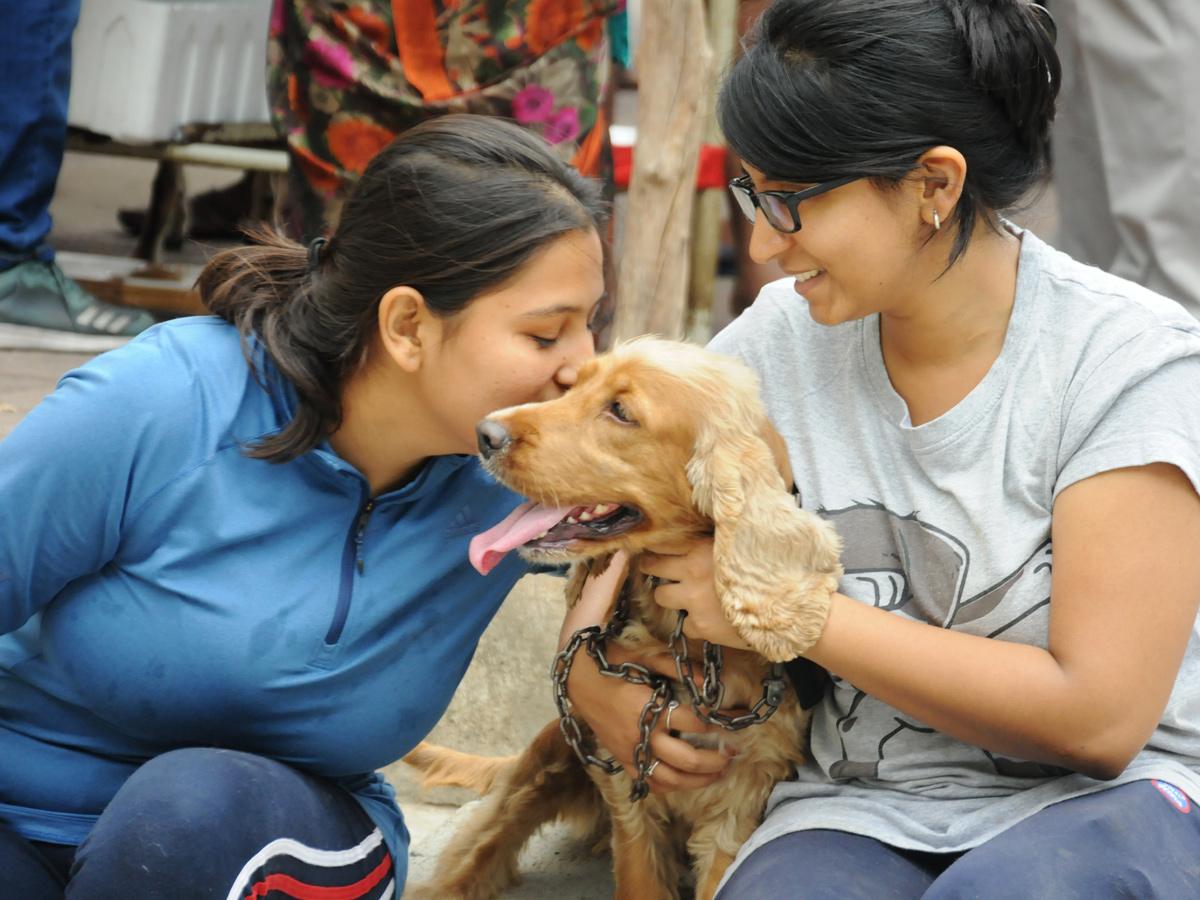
<point x="526" y="521"/>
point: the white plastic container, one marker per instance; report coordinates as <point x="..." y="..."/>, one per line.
<point x="143" y="68"/>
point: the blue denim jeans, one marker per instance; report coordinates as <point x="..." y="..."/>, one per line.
<point x="202" y="824"/>
<point x="35" y="79"/>
<point x="1139" y="841"/>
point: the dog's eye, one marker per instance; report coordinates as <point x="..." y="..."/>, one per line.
<point x="617" y="410"/>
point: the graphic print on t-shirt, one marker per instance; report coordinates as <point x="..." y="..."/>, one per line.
<point x="910" y="567"/>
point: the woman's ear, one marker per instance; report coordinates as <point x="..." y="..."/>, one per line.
<point x="404" y="320"/>
<point x="941" y="171"/>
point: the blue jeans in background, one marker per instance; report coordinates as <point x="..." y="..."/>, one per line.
<point x="35" y="79"/>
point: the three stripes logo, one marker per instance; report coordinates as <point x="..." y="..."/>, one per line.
<point x="111" y="321"/>
<point x="464" y="523"/>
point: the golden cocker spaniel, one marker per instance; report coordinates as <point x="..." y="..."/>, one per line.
<point x="658" y="441"/>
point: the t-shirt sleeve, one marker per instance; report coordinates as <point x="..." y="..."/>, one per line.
<point x="74" y="466"/>
<point x="1141" y="406"/>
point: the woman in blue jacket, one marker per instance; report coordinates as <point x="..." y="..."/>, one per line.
<point x="233" y="554"/>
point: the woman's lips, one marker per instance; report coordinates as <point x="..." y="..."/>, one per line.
<point x="803" y="279"/>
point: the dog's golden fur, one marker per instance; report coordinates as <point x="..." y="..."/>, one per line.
<point x="697" y="456"/>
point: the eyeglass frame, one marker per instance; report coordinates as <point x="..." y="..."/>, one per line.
<point x="741" y="187"/>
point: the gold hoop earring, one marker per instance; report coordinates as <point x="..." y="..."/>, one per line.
<point x="937" y="223"/>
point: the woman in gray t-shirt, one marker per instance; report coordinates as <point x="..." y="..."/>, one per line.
<point x="1008" y="443"/>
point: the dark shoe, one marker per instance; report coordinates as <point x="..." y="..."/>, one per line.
<point x="42" y="309"/>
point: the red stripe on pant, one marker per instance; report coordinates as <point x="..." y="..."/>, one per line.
<point x="286" y="884"/>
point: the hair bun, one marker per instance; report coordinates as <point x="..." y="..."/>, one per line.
<point x="1046" y="20"/>
<point x="1010" y="45"/>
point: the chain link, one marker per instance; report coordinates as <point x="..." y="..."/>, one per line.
<point x="567" y="723"/>
<point x="708" y="697"/>
<point x="642" y="758"/>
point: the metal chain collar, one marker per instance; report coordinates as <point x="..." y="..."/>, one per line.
<point x="706" y="699"/>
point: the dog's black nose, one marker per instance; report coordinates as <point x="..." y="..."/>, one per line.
<point x="493" y="437"/>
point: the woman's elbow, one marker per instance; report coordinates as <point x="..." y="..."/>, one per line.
<point x="1103" y="758"/>
<point x="1103" y="769"/>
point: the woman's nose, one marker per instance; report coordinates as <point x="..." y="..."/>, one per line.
<point x="579" y="352"/>
<point x="765" y="242"/>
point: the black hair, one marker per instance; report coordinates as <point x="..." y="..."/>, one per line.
<point x="453" y="208"/>
<point x="828" y="88"/>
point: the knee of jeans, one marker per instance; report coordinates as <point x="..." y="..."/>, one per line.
<point x="199" y="778"/>
<point x="171" y="802"/>
<point x="1046" y="872"/>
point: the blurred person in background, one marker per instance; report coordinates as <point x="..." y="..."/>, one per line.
<point x="40" y="307"/>
<point x="345" y="78"/>
<point x="1127" y="141"/>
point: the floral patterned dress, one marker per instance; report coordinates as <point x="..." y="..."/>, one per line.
<point x="346" y="76"/>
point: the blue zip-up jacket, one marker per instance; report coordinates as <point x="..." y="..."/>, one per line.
<point x="159" y="589"/>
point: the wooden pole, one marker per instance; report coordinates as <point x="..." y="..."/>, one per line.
<point x="673" y="71"/>
<point x="706" y="219"/>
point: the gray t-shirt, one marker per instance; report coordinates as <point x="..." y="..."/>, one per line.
<point x="949" y="523"/>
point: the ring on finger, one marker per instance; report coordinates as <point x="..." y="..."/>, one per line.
<point x="671" y="707"/>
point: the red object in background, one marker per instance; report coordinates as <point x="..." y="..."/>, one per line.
<point x="710" y="173"/>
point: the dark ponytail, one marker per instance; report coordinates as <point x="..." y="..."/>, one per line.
<point x="453" y="207"/>
<point x="829" y="88"/>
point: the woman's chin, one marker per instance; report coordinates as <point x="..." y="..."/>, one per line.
<point x="820" y="309"/>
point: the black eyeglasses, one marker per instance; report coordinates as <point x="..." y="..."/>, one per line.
<point x="780" y="207"/>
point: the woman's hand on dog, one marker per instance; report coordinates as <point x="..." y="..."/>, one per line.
<point x="686" y="573"/>
<point x="612" y="707"/>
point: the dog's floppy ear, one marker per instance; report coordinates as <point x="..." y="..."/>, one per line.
<point x="775" y="564"/>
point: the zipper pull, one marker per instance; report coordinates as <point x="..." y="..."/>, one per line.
<point x="363" y="518"/>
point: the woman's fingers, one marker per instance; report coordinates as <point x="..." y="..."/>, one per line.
<point x="683" y="720"/>
<point x="679" y="562"/>
<point x="705" y="618"/>
<point x="680" y="766"/>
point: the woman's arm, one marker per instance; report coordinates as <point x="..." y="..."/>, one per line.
<point x="67" y="474"/>
<point x="1124" y="597"/>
